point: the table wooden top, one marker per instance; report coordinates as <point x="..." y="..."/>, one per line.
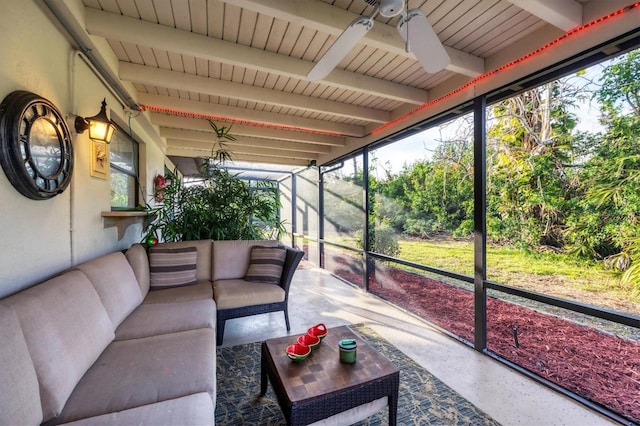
<point x="322" y="372"/>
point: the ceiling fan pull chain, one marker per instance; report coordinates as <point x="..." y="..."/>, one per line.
<point x="404" y="16"/>
<point x="406" y="42"/>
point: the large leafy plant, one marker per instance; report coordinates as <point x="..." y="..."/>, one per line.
<point x="218" y="206"/>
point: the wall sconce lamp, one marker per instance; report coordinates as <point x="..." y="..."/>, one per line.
<point x="100" y="128"/>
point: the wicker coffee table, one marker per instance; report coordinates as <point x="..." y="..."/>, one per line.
<point x="322" y="386"/>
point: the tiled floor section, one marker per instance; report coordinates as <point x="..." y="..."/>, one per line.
<point x="509" y="397"/>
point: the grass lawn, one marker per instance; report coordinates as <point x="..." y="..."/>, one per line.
<point x="548" y="273"/>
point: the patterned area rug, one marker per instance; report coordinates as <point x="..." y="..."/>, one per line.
<point x="423" y="399"/>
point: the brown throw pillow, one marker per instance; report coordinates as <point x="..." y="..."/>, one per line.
<point x="172" y="267"/>
<point x="265" y="264"/>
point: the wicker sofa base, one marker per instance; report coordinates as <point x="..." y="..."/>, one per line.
<point x="292" y="259"/>
<point x="225" y="314"/>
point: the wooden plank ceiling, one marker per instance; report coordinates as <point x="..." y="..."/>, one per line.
<point x="245" y="62"/>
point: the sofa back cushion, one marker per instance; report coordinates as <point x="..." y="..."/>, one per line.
<point x="231" y="258"/>
<point x="116" y="284"/>
<point x="20" y="396"/>
<point x="137" y="257"/>
<point x="66" y="328"/>
<point x="203" y="263"/>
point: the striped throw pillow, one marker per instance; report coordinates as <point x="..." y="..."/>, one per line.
<point x="172" y="267"/>
<point x="265" y="264"/>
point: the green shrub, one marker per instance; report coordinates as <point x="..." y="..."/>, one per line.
<point x="382" y="239"/>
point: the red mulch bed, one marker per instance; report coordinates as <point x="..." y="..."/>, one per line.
<point x="600" y="367"/>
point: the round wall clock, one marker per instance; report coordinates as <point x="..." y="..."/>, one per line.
<point x="35" y="145"/>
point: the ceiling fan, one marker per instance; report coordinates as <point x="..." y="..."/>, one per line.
<point x="413" y="26"/>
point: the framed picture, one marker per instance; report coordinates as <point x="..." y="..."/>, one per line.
<point x="99" y="159"/>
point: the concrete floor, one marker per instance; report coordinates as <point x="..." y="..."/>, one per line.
<point x="509" y="397"/>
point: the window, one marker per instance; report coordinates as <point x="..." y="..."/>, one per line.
<point x="124" y="170"/>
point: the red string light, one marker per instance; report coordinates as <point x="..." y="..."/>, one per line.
<point x="505" y="67"/>
<point x="420" y="108"/>
<point x="213" y="117"/>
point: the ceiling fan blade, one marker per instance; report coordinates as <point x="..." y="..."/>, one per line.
<point x="339" y="49"/>
<point x="423" y="42"/>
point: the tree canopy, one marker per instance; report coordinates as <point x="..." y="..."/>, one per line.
<point x="550" y="186"/>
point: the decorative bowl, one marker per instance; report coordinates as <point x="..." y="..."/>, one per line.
<point x="319" y="330"/>
<point x="298" y="352"/>
<point x="309" y="340"/>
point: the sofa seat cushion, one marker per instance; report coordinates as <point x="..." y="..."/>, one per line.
<point x="196" y="409"/>
<point x="137" y="372"/>
<point x="200" y="290"/>
<point x="66" y="328"/>
<point x="354" y="415"/>
<point x="20" y="401"/>
<point x="152" y="319"/>
<point x="230" y="294"/>
<point x="116" y="284"/>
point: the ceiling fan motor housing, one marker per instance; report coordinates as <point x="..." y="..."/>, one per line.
<point x="391" y="8"/>
<point x="388" y="8"/>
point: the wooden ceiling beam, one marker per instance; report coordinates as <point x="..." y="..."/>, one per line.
<point x="126" y="29"/>
<point x="194" y="135"/>
<point x="236" y="149"/>
<point x="246" y="115"/>
<point x="194" y="83"/>
<point x="166" y="120"/>
<point x="332" y="20"/>
<point x="193" y="152"/>
<point x="563" y="14"/>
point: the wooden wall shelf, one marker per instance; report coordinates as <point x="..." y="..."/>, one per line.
<point x="123" y="219"/>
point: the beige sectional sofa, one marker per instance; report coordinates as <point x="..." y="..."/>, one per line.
<point x="94" y="345"/>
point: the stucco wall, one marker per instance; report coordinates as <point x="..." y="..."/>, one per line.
<point x="41" y="238"/>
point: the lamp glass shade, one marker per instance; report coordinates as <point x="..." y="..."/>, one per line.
<point x="100" y="130"/>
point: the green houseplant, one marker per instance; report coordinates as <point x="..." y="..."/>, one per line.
<point x="218" y="206"/>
